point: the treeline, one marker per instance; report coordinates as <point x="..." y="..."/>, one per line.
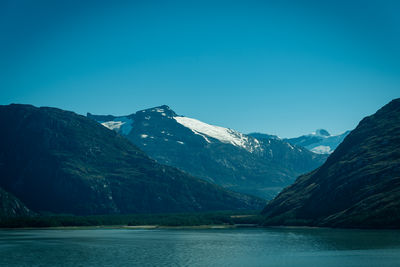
<point x="169" y="219"/>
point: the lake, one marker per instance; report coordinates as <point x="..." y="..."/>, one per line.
<point x="207" y="247"/>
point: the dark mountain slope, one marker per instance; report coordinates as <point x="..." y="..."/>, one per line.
<point x="58" y="161"/>
<point x="236" y="161"/>
<point x="358" y="186"/>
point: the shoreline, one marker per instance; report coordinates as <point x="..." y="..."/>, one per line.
<point x="138" y="227"/>
<point x="191" y="227"/>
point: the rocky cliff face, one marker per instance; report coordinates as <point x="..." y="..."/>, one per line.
<point x="358" y="186"/>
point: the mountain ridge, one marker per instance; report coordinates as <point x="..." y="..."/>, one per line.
<point x="358" y="186"/>
<point x="217" y="154"/>
<point x="320" y="141"/>
<point x="57" y="161"/>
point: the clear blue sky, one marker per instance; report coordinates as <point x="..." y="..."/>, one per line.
<point x="280" y="67"/>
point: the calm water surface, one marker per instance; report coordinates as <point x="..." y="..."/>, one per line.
<point x="219" y="247"/>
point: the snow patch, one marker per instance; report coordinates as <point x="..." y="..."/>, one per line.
<point x="322" y="150"/>
<point x="222" y="134"/>
<point x="112" y="125"/>
<point x="121" y="125"/>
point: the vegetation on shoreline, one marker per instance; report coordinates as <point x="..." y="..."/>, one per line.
<point x="161" y="219"/>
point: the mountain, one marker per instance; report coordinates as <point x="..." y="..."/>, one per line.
<point x="264" y="136"/>
<point x="320" y="141"/>
<point x="239" y="162"/>
<point x="358" y="185"/>
<point x="58" y="161"/>
<point x="10" y="206"/>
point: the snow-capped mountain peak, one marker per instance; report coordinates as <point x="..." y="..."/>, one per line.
<point x="320" y="141"/>
<point x="164" y="111"/>
<point x="258" y="165"/>
<point x="321" y="133"/>
<point x="210" y="133"/>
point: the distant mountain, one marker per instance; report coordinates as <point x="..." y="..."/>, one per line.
<point x="264" y="136"/>
<point x="358" y="185"/>
<point x="236" y="161"/>
<point x="10" y="206"/>
<point x="61" y="162"/>
<point x="320" y="141"/>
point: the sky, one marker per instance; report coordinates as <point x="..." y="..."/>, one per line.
<point x="278" y="67"/>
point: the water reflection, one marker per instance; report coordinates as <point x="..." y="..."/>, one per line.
<point x="222" y="247"/>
